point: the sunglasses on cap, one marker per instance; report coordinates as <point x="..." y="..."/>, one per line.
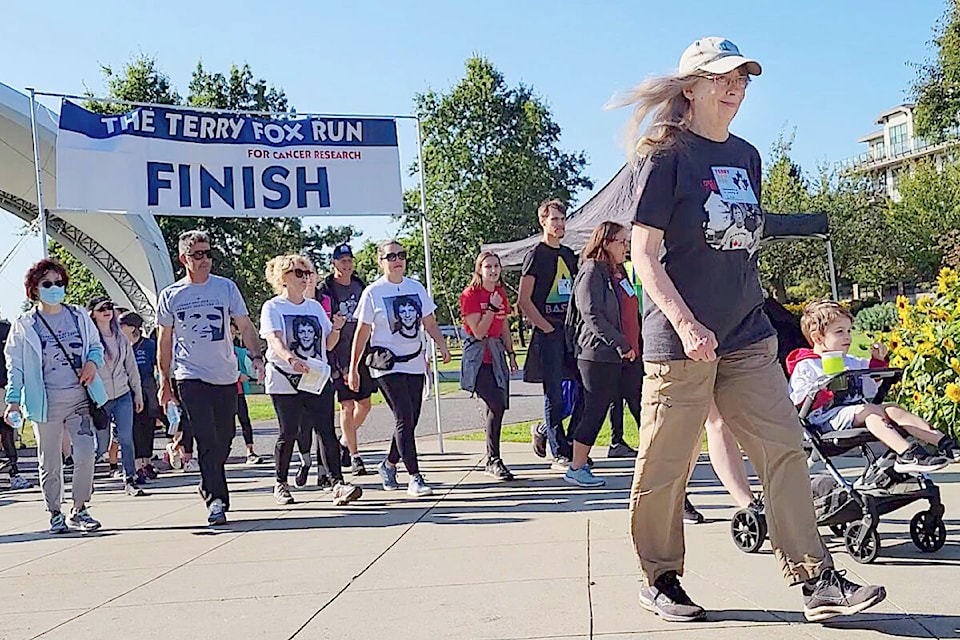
<point x="46" y="284"/>
<point x="390" y="257"/>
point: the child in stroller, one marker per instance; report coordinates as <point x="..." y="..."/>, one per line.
<point x="827" y="326"/>
<point x="852" y="510"/>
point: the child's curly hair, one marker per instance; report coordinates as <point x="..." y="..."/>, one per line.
<point x="818" y="315"/>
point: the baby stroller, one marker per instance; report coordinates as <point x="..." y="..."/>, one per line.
<point x="852" y="510"/>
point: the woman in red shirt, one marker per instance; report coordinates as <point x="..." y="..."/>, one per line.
<point x="484" y="369"/>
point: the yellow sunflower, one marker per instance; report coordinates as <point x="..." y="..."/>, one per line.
<point x="953" y="393"/>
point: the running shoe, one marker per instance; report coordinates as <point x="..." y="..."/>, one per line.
<point x="191" y="466"/>
<point x="132" y="489"/>
<point x="344" y="492"/>
<point x="561" y="463"/>
<point x="917" y="460"/>
<point x="19" y="482"/>
<point x="357" y="467"/>
<point x="150" y="471"/>
<point x="690" y="513"/>
<point x="344" y="457"/>
<point x="538" y="438"/>
<point x="82" y="520"/>
<point x="253" y="458"/>
<point x="281" y="493"/>
<point x="388" y="476"/>
<point x="497" y="470"/>
<point x="175" y="456"/>
<point x="58" y="524"/>
<point x="216" y="514"/>
<point x="621" y="450"/>
<point x="417" y="488"/>
<point x="667" y="599"/>
<point x="582" y="477"/>
<point x="834" y="595"/>
<point x="301" y="478"/>
<point x="68" y="462"/>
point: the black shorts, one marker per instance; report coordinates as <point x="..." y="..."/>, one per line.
<point x="368" y="386"/>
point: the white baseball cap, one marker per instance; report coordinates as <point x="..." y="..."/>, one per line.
<point x="717" y="56"/>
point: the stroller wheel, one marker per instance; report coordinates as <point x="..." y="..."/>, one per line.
<point x="863" y="553"/>
<point x="928" y="532"/>
<point x="838" y="529"/>
<point x="749" y="530"/>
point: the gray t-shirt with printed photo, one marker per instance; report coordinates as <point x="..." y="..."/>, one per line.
<point x="200" y="316"/>
<point x="58" y="371"/>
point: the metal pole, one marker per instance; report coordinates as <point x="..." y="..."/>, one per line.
<point x="41" y="212"/>
<point x="426" y="258"/>
<point x="833" y="272"/>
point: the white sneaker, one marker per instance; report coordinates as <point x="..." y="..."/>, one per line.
<point x="175" y="456"/>
<point x="281" y="493"/>
<point x="344" y="492"/>
<point x="191" y="466"/>
<point x="417" y="487"/>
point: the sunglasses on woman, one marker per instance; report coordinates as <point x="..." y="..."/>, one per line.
<point x="106" y="306"/>
<point x="390" y="257"/>
<point x="46" y="284"/>
<point x="301" y="273"/>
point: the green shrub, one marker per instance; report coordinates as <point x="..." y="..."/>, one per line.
<point x="881" y="317"/>
<point x="856" y="306"/>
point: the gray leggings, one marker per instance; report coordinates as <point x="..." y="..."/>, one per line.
<point x="67" y="412"/>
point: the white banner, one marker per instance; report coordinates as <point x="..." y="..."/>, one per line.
<point x="173" y="161"/>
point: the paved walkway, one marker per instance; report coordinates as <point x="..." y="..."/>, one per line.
<point x="534" y="559"/>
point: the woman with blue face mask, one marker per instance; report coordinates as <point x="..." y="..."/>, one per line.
<point x="53" y="354"/>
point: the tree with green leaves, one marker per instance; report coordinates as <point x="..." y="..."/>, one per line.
<point x="492" y="155"/>
<point x="243" y="245"/>
<point x="937" y="87"/>
<point x="83" y="286"/>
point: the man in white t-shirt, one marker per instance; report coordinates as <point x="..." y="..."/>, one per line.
<point x="193" y="316"/>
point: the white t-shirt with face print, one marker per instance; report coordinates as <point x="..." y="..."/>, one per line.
<point x="304" y="329"/>
<point x="395" y="312"/>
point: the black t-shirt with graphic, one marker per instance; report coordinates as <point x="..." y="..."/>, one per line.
<point x="705" y="197"/>
<point x="345" y="299"/>
<point x="553" y="271"/>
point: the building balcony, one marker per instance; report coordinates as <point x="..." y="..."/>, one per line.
<point x="870" y="161"/>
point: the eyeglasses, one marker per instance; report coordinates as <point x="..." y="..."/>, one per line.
<point x="46" y="284"/>
<point x="623" y="241"/>
<point x="200" y="254"/>
<point x="106" y="306"/>
<point x="390" y="257"/>
<point x="301" y="273"/>
<point x="726" y="82"/>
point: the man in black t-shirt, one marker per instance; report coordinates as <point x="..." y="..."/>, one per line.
<point x="344" y="287"/>
<point x="546" y="283"/>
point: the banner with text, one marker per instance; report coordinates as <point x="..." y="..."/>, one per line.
<point x="174" y="161"/>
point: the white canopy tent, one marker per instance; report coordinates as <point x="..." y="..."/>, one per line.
<point x="125" y="251"/>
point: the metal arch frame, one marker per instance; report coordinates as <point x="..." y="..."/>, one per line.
<point x="85" y="247"/>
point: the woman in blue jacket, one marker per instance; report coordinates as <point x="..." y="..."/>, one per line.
<point x="53" y="354"/>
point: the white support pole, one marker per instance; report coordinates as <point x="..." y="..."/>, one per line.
<point x="426" y="258"/>
<point x="833" y="271"/>
<point x="41" y="212"/>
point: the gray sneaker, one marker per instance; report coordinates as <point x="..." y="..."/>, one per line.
<point x="344" y="492"/>
<point x="82" y="520"/>
<point x="621" y="450"/>
<point x="834" y="595"/>
<point x="19" y="482"/>
<point x="667" y="599"/>
<point x="388" y="476"/>
<point x="560" y="463"/>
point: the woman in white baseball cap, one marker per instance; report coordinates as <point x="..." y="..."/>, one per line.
<point x="694" y="245"/>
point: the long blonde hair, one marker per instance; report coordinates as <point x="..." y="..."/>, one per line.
<point x="661" y="99"/>
<point x="281" y="265"/>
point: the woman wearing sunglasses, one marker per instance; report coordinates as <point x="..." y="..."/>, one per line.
<point x="297" y="330"/>
<point x="387" y="310"/>
<point x="125" y="395"/>
<point x="53" y="354"/>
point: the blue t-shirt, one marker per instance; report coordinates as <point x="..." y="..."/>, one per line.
<point x="200" y="317"/>
<point x="145" y="352"/>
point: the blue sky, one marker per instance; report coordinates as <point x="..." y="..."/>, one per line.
<point x="830" y="67"/>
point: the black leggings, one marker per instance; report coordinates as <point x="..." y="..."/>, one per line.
<point x="8" y="443"/>
<point x="243" y="415"/>
<point x="404" y="395"/>
<point x="494" y="408"/>
<point x="600" y="389"/>
<point x="299" y="413"/>
<point x="630" y="380"/>
<point x="144" y="425"/>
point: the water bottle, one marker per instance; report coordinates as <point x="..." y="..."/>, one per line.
<point x="173" y="417"/>
<point x="16" y="420"/>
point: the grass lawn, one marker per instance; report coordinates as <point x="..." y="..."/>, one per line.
<point x="261" y="407"/>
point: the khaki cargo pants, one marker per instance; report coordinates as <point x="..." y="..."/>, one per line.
<point x="751" y="393"/>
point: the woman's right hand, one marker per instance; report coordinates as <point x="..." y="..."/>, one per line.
<point x="353" y="380"/>
<point x="496" y="300"/>
<point x="11" y="408"/>
<point x="699" y="342"/>
<point x="298" y="365"/>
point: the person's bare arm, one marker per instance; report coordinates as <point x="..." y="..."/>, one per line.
<point x="275" y="342"/>
<point x="432" y="328"/>
<point x="525" y="301"/>
<point x="165" y="362"/>
<point x="699" y="342"/>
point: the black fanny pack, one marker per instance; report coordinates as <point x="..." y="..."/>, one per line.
<point x="292" y="378"/>
<point x="383" y="359"/>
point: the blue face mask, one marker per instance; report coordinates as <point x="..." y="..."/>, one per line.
<point x="52" y="295"/>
